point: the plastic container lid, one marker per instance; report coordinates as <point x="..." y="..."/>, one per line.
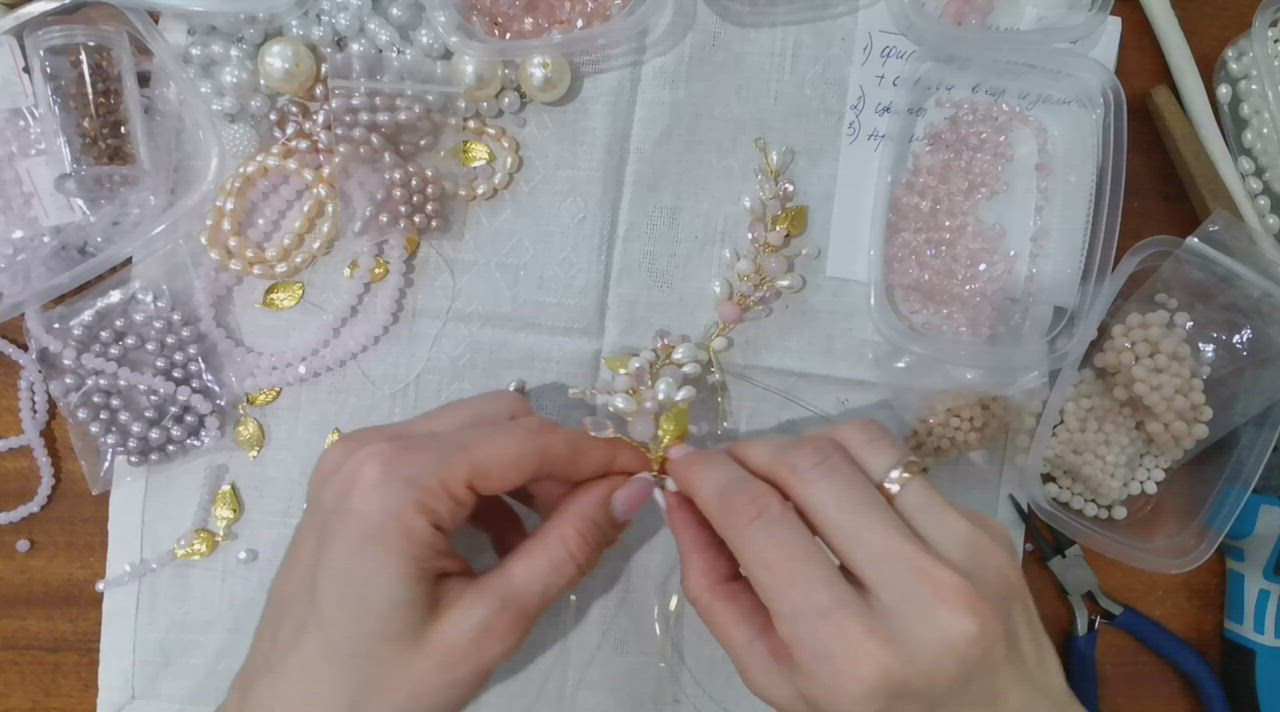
<point x="1036" y="22"/>
<point x="1180" y="527"/>
<point x="253" y="7"/>
<point x="53" y="242"/>
<point x="1265" y="36"/>
<point x="644" y="28"/>
<point x="1049" y="231"/>
<point x="771" y="13"/>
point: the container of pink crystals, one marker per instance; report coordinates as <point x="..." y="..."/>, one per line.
<point x="612" y="30"/>
<point x="998" y="206"/>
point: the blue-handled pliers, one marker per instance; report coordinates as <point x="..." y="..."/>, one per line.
<point x="1066" y="560"/>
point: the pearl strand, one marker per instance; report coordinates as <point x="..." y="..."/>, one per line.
<point x="353" y="331"/>
<point x="211" y="486"/>
<point x="1259" y="150"/>
<point x="33" y="413"/>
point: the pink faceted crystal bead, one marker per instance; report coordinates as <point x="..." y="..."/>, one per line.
<point x="535" y="19"/>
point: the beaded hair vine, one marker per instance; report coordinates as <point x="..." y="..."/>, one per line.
<point x="645" y="397"/>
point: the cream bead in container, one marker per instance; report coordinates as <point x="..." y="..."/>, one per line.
<point x="287" y="65"/>
<point x="545" y="78"/>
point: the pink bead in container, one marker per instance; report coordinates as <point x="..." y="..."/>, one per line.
<point x="999" y="22"/>
<point x="613" y="31"/>
<point x="998" y="207"/>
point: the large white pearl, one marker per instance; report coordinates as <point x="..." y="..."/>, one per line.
<point x="545" y="78"/>
<point x="481" y="79"/>
<point x="287" y="65"/>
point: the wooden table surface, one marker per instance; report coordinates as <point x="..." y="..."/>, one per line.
<point x="50" y="615"/>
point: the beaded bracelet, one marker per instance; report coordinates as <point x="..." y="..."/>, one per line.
<point x="33" y="412"/>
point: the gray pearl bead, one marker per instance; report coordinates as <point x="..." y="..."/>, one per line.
<point x="78" y="331"/>
<point x="131" y="341"/>
<point x="156" y="457"/>
<point x="112" y="439"/>
<point x="84" y="413"/>
<point x="163" y="305"/>
<point x="187" y="333"/>
<point x="98" y="350"/>
<point x="119" y="323"/>
<point x="97" y="428"/>
<point x="137" y="428"/>
<point x="69" y="362"/>
<point x="175" y="320"/>
<point x="139" y="318"/>
<point x="179" y="357"/>
<point x="171" y="340"/>
<point x="173" y="449"/>
<point x="115" y="351"/>
<point x="195" y="368"/>
<point x="106" y="336"/>
<point x="159" y="323"/>
<point x="157" y="435"/>
<point x="105" y="382"/>
<point x="194" y="442"/>
<point x="136" y="460"/>
<point x="156" y="399"/>
<point x="178" y="375"/>
<point x="150" y="414"/>
<point x="177" y="432"/>
<point x="105" y="414"/>
<point x="72" y="381"/>
<point x="134" y="444"/>
<point x="116" y="402"/>
<point x="152" y="347"/>
<point x="161" y="363"/>
<point x="191" y="420"/>
<point x="124" y="417"/>
<point x="99" y="399"/>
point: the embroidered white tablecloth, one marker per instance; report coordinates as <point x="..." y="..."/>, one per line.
<point x="612" y="229"/>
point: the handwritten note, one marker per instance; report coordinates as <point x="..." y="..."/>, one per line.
<point x="880" y="71"/>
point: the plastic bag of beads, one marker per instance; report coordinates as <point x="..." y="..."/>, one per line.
<point x="1187" y="351"/>
<point x="137" y="378"/>
<point x="89" y="149"/>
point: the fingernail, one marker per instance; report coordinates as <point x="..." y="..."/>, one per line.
<point x="679" y="451"/>
<point x="660" y="499"/>
<point x="632" y="497"/>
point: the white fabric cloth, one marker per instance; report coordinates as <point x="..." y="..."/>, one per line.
<point x="612" y="229"/>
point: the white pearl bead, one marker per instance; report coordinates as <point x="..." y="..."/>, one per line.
<point x="287" y="65"/>
<point x="686" y="394"/>
<point x="510" y="101"/>
<point x="666" y="389"/>
<point x="722" y="289"/>
<point x="481" y="79"/>
<point x="545" y="78"/>
<point x="623" y="404"/>
<point x="685" y="353"/>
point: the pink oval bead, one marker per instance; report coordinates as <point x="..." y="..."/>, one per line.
<point x="729" y="313"/>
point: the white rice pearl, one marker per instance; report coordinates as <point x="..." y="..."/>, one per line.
<point x="623" y="404"/>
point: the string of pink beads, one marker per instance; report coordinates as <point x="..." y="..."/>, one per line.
<point x="1132" y="416"/>
<point x="948" y="269"/>
<point x="535" y="19"/>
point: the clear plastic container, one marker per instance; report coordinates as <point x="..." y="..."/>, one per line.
<point x="643" y="28"/>
<point x="771" y="13"/>
<point x="1265" y="37"/>
<point x="1179" y="527"/>
<point x="91" y="108"/>
<point x="56" y="237"/>
<point x="1030" y="22"/>
<point x="1010" y="298"/>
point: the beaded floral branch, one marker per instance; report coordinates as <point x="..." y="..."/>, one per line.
<point x="651" y="392"/>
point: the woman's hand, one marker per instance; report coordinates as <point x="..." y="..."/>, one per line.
<point x="929" y="610"/>
<point x="374" y="610"/>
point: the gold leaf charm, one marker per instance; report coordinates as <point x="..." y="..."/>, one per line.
<point x="673" y="427"/>
<point x="795" y="220"/>
<point x="282" y="296"/>
<point x="227" y="508"/>
<point x="381" y="270"/>
<point x="203" y="544"/>
<point x="250" y="436"/>
<point x="334" y="436"/>
<point x="412" y="242"/>
<point x="617" y="364"/>
<point x="264" y="397"/>
<point x="472" y="154"/>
